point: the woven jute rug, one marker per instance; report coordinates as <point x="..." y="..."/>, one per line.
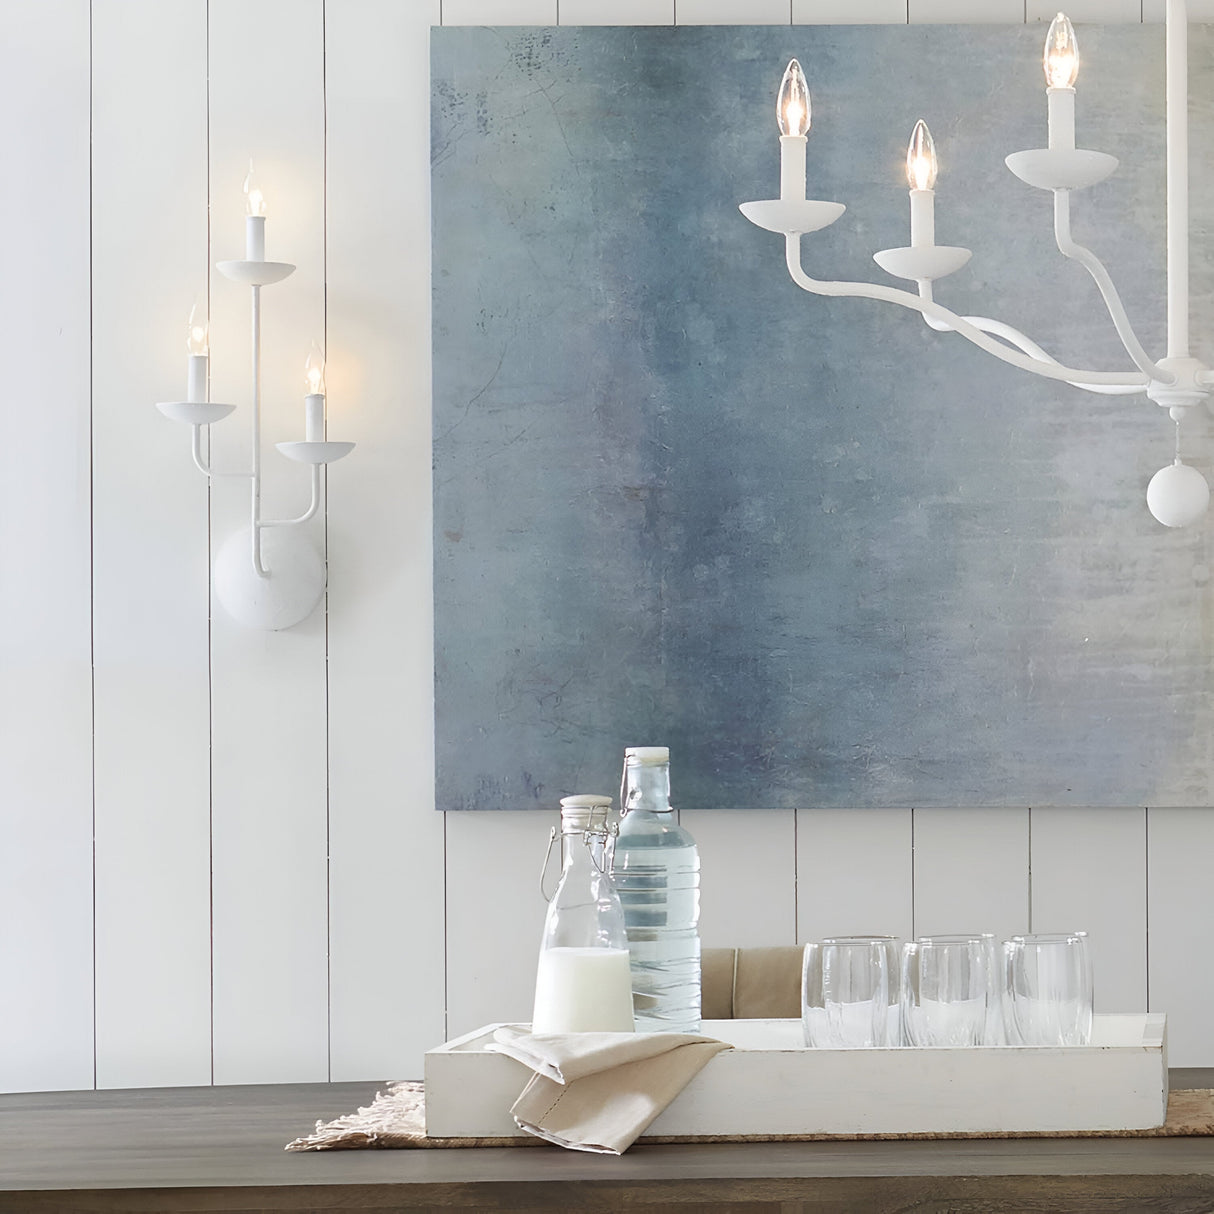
<point x="397" y="1118"/>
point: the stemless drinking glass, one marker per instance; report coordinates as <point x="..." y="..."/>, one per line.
<point x="1048" y="988"/>
<point x="944" y="990"/>
<point x="849" y="992"/>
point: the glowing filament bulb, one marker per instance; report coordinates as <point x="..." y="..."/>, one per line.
<point x="255" y="202"/>
<point x="792" y="102"/>
<point x="196" y="333"/>
<point x="314" y="371"/>
<point x="1061" y="54"/>
<point x="921" y="165"/>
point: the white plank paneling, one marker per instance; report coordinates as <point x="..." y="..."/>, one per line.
<point x="849" y="12"/>
<point x="269" y="741"/>
<point x="617" y="12"/>
<point x="495" y="914"/>
<point x="747" y="876"/>
<point x="499" y="12"/>
<point x="964" y="11"/>
<point x="1104" y="11"/>
<point x="971" y="871"/>
<point x="1089" y="873"/>
<point x="854" y="874"/>
<point x="386" y="841"/>
<point x="152" y="737"/>
<point x="1180" y="907"/>
<point x="46" y="812"/>
<point x="1199" y="10"/>
<point x="732" y="12"/>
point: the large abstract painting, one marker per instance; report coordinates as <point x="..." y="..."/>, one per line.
<point x="828" y="556"/>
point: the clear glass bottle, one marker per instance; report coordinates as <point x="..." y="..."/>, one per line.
<point x="583" y="982"/>
<point x="657" y="873"/>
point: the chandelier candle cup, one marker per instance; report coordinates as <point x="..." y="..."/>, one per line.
<point x="583" y="979"/>
<point x="656" y="868"/>
<point x="1048" y="987"/>
<point x="849" y="993"/>
<point x="944" y="991"/>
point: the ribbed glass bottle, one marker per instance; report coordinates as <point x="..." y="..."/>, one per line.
<point x="657" y="874"/>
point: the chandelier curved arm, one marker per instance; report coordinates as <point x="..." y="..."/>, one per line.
<point x="1068" y="247"/>
<point x="1013" y="336"/>
<point x="932" y="311"/>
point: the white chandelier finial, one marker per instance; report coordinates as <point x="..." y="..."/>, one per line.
<point x="1178" y="494"/>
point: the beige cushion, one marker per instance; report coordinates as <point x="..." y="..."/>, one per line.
<point x="751" y="983"/>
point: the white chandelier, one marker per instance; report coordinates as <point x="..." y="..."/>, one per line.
<point x="1177" y="494"/>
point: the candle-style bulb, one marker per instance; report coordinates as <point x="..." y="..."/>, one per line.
<point x="1061" y="54"/>
<point x="255" y="203"/>
<point x="792" y="102"/>
<point x="921" y="164"/>
<point x="196" y="333"/>
<point x="314" y="371"/>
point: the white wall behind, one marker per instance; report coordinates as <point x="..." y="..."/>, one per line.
<point x="219" y="856"/>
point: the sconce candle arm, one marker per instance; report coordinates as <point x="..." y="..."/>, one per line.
<point x="1112" y="301"/>
<point x="196" y="450"/>
<point x="958" y="324"/>
<point x="313" y="506"/>
<point x="255" y="530"/>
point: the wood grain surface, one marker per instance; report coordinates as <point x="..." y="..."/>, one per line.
<point x="221" y="1149"/>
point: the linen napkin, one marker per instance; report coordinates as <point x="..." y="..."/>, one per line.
<point x="600" y="1091"/>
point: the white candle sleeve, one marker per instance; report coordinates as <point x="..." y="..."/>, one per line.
<point x="923" y="218"/>
<point x="255" y="238"/>
<point x="792" y="168"/>
<point x="314" y="417"/>
<point x="1060" y="105"/>
<point x="196" y="379"/>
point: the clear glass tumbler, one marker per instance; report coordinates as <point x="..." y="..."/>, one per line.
<point x="1048" y="989"/>
<point x="945" y="988"/>
<point x="849" y="992"/>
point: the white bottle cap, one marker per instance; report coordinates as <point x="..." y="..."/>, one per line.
<point x="585" y="811"/>
<point x="647" y="755"/>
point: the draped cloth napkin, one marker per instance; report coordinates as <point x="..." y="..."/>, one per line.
<point x="600" y="1091"/>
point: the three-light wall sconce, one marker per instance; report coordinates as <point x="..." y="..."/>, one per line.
<point x="268" y="575"/>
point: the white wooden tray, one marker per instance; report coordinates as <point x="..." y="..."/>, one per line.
<point x="770" y="1084"/>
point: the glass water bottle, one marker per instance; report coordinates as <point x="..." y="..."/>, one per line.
<point x="657" y="872"/>
<point x="583" y="982"/>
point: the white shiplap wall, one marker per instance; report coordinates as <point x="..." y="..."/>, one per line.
<point x="220" y="859"/>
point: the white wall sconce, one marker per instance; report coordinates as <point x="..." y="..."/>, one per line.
<point x="267" y="575"/>
<point x="1178" y="494"/>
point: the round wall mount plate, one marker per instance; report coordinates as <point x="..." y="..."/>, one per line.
<point x="291" y="592"/>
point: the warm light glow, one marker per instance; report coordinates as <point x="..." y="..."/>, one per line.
<point x="255" y="202"/>
<point x="792" y="103"/>
<point x="314" y="371"/>
<point x="1061" y="54"/>
<point x="196" y="333"/>
<point x="921" y="165"/>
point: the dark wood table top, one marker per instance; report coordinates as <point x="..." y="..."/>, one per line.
<point x="212" y="1149"/>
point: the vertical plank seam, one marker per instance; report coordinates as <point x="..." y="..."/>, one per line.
<point x="1030" y="860"/>
<point x="92" y="562"/>
<point x="1146" y="908"/>
<point x="210" y="568"/>
<point x="446" y="933"/>
<point x="796" y="876"/>
<point x="324" y="337"/>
